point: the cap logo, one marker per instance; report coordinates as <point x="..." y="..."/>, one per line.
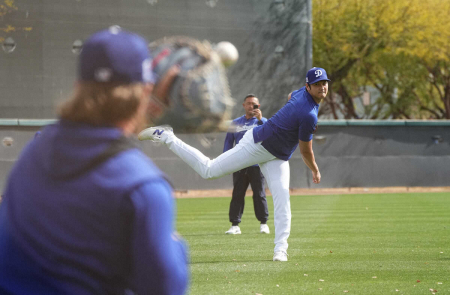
<point x="318" y="73"/>
<point x="103" y="74"/>
<point x="115" y="29"/>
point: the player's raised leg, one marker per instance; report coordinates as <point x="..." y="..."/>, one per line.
<point x="244" y="154"/>
<point x="277" y="174"/>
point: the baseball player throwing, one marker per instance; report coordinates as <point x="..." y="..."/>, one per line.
<point x="270" y="145"/>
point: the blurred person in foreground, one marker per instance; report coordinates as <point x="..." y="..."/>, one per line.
<point x="85" y="211"/>
<point x="250" y="175"/>
<point x="270" y="145"/>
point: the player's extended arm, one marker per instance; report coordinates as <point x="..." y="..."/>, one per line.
<point x="308" y="157"/>
<point x="159" y="256"/>
<point x="229" y="142"/>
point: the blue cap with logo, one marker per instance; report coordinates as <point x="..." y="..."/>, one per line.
<point x="315" y="75"/>
<point x="115" y="55"/>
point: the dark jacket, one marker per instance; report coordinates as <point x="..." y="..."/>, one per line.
<point x="73" y="224"/>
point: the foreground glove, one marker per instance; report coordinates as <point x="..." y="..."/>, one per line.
<point x="198" y="98"/>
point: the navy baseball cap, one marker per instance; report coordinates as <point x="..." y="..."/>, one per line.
<point x="115" y="55"/>
<point x="315" y="75"/>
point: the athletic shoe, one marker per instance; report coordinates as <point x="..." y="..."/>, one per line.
<point x="156" y="134"/>
<point x="280" y="256"/>
<point x="264" y="229"/>
<point x="234" y="230"/>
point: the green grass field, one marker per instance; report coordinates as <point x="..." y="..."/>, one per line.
<point x="356" y="244"/>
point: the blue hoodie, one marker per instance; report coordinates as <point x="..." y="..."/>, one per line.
<point x="70" y="227"/>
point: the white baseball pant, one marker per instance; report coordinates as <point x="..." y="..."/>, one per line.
<point x="245" y="154"/>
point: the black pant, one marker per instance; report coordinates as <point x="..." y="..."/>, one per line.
<point x="241" y="179"/>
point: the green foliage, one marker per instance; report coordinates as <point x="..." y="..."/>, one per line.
<point x="363" y="244"/>
<point x="400" y="48"/>
<point x="8" y="7"/>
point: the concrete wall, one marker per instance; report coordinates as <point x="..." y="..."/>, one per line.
<point x="348" y="156"/>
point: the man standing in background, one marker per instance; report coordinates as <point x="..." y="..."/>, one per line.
<point x="251" y="175"/>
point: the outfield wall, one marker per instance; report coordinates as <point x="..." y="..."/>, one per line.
<point x="349" y="154"/>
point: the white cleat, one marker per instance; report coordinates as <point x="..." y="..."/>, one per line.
<point x="156" y="134"/>
<point x="234" y="230"/>
<point x="280" y="256"/>
<point x="264" y="229"/>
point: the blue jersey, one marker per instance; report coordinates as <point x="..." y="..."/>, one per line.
<point x="295" y="121"/>
<point x="240" y="126"/>
<point x="68" y="230"/>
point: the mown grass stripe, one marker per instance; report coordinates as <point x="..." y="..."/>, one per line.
<point x="363" y="244"/>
